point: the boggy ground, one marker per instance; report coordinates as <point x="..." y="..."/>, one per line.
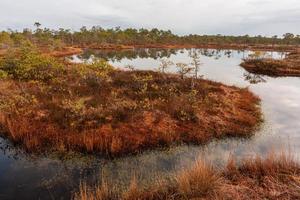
<point x="290" y="66"/>
<point x="47" y="105"/>
<point x="275" y="177"/>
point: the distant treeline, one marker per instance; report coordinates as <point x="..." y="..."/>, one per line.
<point x="117" y="36"/>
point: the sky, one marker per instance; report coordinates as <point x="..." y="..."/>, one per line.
<point x="228" y="17"/>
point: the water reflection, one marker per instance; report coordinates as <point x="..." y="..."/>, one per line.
<point x="254" y="78"/>
<point x="143" y="53"/>
<point x="25" y="176"/>
<point x="117" y="55"/>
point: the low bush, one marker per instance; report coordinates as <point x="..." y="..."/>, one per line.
<point x="27" y="64"/>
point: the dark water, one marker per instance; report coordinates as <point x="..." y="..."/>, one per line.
<point x="30" y="177"/>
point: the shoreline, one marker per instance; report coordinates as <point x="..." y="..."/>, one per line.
<point x="78" y="49"/>
<point x="66" y="51"/>
<point x="247" y="179"/>
<point x="286" y="48"/>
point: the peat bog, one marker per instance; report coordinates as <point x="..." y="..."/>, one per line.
<point x="48" y="105"/>
<point x="124" y="107"/>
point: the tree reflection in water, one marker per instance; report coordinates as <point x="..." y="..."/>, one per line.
<point x="118" y="55"/>
<point x="254" y="78"/>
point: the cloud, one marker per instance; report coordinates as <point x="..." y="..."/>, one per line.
<point x="235" y="17"/>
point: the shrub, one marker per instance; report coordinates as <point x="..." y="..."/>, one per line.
<point x="5" y="40"/>
<point x="99" y="67"/>
<point x="28" y="64"/>
<point x="3" y="74"/>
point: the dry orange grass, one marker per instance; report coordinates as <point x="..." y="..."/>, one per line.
<point x="102" y="192"/>
<point x="275" y="177"/>
<point x="66" y="51"/>
<point x="95" y="109"/>
<point x="219" y="112"/>
<point x="201" y="180"/>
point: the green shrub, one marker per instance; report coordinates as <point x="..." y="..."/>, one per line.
<point x="3" y="74"/>
<point x="28" y="64"/>
<point x="101" y="68"/>
<point x="5" y="40"/>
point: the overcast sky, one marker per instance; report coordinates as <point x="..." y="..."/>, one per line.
<point x="234" y="17"/>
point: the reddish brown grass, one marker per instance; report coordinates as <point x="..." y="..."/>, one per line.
<point x="95" y="109"/>
<point x="102" y="192"/>
<point x="66" y="51"/>
<point x="290" y="66"/>
<point x="276" y="177"/>
<point x="201" y="180"/>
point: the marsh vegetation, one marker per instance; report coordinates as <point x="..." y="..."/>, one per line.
<point x="53" y="106"/>
<point x="273" y="177"/>
<point x="116" y="38"/>
<point x="48" y="105"/>
<point x="289" y="66"/>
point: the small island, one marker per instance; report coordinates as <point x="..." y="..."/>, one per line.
<point x="48" y="104"/>
<point x="289" y="66"/>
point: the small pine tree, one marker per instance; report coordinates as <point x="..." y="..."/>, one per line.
<point x="183" y="69"/>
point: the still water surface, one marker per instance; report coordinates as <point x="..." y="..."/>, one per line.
<point x="25" y="176"/>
